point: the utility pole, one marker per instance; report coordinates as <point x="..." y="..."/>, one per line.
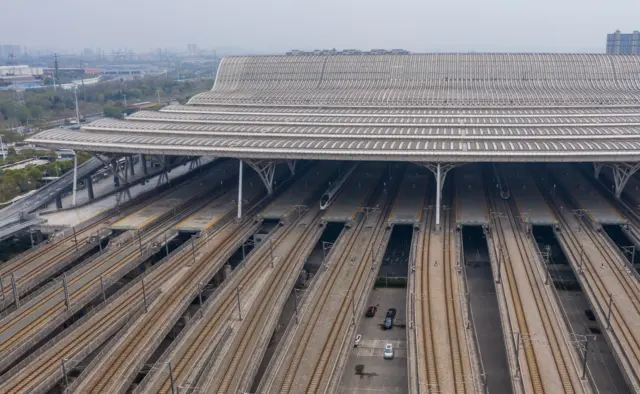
<point x="75" y="171"/>
<point x="4" y="153"/>
<point x="75" y="95"/>
<point x="84" y="90"/>
<point x="55" y="72"/>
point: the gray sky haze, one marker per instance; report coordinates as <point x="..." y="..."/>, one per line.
<point x="272" y="26"/>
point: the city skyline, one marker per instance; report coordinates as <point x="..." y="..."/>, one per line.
<point x="490" y="26"/>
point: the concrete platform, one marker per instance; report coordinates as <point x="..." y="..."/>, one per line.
<point x="354" y="193"/>
<point x="75" y="216"/>
<point x="210" y="214"/>
<point x="471" y="206"/>
<point x="213" y="212"/>
<point x="584" y="195"/>
<point x="409" y="204"/>
<point x="531" y="205"/>
<point x="153" y="211"/>
<point x="300" y="191"/>
<point x="379" y="375"/>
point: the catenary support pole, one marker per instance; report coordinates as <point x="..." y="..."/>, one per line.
<point x="2" y="291"/>
<point x="240" y="191"/>
<point x="239" y="307"/>
<point x="144" y="297"/>
<point x="66" y="378"/>
<point x="200" y="286"/>
<point x="295" y="303"/>
<point x="75" y="238"/>
<point x="75" y="177"/>
<point x="171" y="378"/>
<point x="65" y="287"/>
<point x="104" y="295"/>
<point x="438" y="195"/>
<point x="584" y="359"/>
<point x="14" y="287"/>
<point x="609" y="312"/>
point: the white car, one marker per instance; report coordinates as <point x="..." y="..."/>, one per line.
<point x="388" y="351"/>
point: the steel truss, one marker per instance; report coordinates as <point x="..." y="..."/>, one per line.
<point x="266" y="170"/>
<point x="622" y="172"/>
<point x="440" y="171"/>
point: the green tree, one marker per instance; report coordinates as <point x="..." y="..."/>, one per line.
<point x="11" y="136"/>
<point x="113" y="112"/>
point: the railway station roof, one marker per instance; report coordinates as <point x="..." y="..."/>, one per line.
<point x="422" y="107"/>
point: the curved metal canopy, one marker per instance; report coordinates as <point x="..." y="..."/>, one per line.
<point x="424" y="107"/>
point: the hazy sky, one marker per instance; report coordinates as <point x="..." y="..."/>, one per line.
<point x="280" y="25"/>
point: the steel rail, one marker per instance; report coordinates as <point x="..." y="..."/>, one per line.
<point x="623" y="334"/>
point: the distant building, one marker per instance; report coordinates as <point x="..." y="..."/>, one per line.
<point x="297" y="52"/>
<point x="7" y="50"/>
<point x="127" y="69"/>
<point x="623" y="44"/>
<point x="20" y="70"/>
<point x="20" y="77"/>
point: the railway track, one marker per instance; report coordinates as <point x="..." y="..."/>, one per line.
<point x="443" y="362"/>
<point x="549" y="364"/>
<point x="49" y="310"/>
<point x="116" y="368"/>
<point x="35" y="266"/>
<point x="304" y="365"/>
<point x="240" y="362"/>
<point x="612" y="291"/>
<point x="31" y="376"/>
<point x="192" y="354"/>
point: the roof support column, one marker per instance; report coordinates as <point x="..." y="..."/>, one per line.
<point x="131" y="165"/>
<point x="120" y="173"/>
<point x="164" y="175"/>
<point x="195" y="163"/>
<point x="111" y="163"/>
<point x="292" y="166"/>
<point x="89" y="182"/>
<point x="622" y="172"/>
<point x="266" y="170"/>
<point x="143" y="164"/>
<point x="440" y="171"/>
<point x="240" y="190"/>
<point x="597" y="167"/>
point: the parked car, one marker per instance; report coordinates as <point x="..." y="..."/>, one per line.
<point x="388" y="351"/>
<point x="589" y="314"/>
<point x="357" y="341"/>
<point x="391" y="313"/>
<point x="388" y="323"/>
<point x="371" y="311"/>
